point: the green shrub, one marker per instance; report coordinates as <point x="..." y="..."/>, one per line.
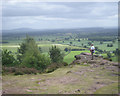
<point x="38" y="61"/>
<point x="56" y="55"/>
<point x="109" y="55"/>
<point x="19" y="73"/>
<point x="19" y="70"/>
<point x="8" y="59"/>
<point x="65" y="64"/>
<point x="24" y="47"/>
<point x="30" y="55"/>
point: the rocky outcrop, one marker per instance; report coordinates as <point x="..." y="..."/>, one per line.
<point x="85" y="58"/>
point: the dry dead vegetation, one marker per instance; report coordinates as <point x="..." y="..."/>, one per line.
<point x="83" y="76"/>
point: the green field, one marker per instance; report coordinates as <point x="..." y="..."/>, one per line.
<point x="45" y="45"/>
<point x="70" y="57"/>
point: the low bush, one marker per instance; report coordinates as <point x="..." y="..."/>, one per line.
<point x="54" y="66"/>
<point x="19" y="71"/>
<point x="8" y="59"/>
<point x="106" y="58"/>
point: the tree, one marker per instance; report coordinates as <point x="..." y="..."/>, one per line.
<point x="67" y="38"/>
<point x="33" y="59"/>
<point x="66" y="49"/>
<point x="104" y="51"/>
<point x="89" y="43"/>
<point x="85" y="46"/>
<point x="101" y="42"/>
<point x="109" y="45"/>
<point x="82" y="44"/>
<point x="96" y="48"/>
<point x="109" y="55"/>
<point x="24" y="46"/>
<point x="53" y="40"/>
<point x="8" y="59"/>
<point x="78" y="40"/>
<point x="31" y="56"/>
<point x="116" y="52"/>
<point x="56" y="55"/>
<point x="113" y="41"/>
<point x="70" y="42"/>
<point x="40" y="49"/>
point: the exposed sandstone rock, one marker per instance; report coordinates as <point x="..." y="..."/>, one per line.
<point x="77" y="57"/>
<point x="85" y="58"/>
<point x="92" y="62"/>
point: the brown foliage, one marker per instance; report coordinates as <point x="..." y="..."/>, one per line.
<point x="19" y="70"/>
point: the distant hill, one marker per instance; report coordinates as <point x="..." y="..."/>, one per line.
<point x="81" y="32"/>
<point x="72" y="29"/>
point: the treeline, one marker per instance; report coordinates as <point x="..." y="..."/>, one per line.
<point x="29" y="56"/>
<point x="79" y="33"/>
<point x="103" y="38"/>
<point x="69" y="49"/>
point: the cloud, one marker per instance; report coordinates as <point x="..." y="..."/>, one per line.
<point x="34" y="9"/>
<point x="61" y="10"/>
<point x="59" y="15"/>
<point x="15" y="1"/>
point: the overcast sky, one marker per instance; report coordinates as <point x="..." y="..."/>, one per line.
<point x="38" y="15"/>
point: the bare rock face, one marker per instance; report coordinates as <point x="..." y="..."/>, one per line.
<point x="85" y="58"/>
<point x="84" y="53"/>
<point x="92" y="62"/>
<point x="115" y="64"/>
<point x="77" y="57"/>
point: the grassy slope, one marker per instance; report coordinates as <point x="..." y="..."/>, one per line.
<point x="63" y="81"/>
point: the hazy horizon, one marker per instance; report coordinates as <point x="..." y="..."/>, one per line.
<point x="25" y="28"/>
